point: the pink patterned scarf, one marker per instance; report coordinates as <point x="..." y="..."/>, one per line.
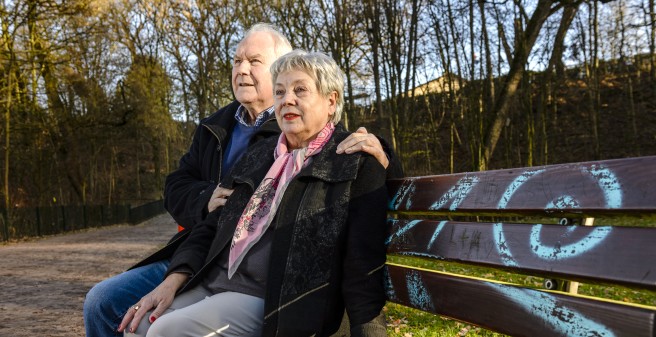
<point x="262" y="207"/>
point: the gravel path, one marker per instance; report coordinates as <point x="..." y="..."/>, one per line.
<point x="43" y="281"/>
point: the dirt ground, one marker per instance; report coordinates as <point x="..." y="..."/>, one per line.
<point x="43" y="281"/>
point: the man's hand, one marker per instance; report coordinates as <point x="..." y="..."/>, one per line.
<point x="360" y="140"/>
<point x="160" y="299"/>
<point x="219" y="198"/>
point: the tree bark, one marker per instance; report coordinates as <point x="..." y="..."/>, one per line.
<point x="555" y="66"/>
<point x="509" y="89"/>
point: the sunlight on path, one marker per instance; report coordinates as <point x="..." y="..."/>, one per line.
<point x="44" y="280"/>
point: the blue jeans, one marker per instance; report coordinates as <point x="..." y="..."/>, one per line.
<point x="109" y="300"/>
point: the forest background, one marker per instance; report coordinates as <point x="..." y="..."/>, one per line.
<point x="99" y="98"/>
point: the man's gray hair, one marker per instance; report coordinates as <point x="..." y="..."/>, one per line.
<point x="322" y="68"/>
<point x="281" y="43"/>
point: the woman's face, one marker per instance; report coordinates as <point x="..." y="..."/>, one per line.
<point x="301" y="110"/>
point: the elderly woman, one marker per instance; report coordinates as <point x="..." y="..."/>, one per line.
<point x="300" y="239"/>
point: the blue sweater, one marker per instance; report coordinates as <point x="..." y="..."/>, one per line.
<point x="241" y="136"/>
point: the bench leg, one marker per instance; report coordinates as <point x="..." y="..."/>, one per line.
<point x="571" y="287"/>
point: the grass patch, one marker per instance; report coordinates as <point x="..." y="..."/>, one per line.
<point x="407" y="322"/>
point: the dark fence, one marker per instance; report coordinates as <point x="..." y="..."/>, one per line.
<point x="24" y="222"/>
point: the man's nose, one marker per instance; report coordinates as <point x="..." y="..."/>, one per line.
<point x="243" y="68"/>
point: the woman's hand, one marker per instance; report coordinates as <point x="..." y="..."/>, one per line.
<point x="160" y="299"/>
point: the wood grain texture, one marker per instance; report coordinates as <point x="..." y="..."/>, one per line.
<point x="515" y="310"/>
<point x="608" y="254"/>
<point x="620" y="186"/>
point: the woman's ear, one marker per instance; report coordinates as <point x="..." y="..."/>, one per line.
<point x="332" y="102"/>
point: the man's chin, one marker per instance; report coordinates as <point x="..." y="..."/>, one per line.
<point x="246" y="94"/>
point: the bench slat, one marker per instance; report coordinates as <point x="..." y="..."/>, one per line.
<point x="591" y="188"/>
<point x="514" y="310"/>
<point x="574" y="252"/>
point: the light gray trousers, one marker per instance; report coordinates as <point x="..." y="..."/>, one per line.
<point x="198" y="313"/>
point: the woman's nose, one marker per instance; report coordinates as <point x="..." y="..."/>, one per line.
<point x="288" y="99"/>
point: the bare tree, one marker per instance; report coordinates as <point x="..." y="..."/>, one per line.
<point x="652" y="37"/>
<point x="373" y="26"/>
<point x="522" y="50"/>
<point x="555" y="67"/>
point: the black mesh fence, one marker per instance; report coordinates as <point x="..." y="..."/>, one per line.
<point x="146" y="211"/>
<point x="50" y="220"/>
<point x="25" y="222"/>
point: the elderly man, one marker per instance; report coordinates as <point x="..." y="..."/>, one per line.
<point x="192" y="191"/>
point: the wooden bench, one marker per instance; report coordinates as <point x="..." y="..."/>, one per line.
<point x="531" y="221"/>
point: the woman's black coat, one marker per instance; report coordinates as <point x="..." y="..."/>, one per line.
<point x="328" y="250"/>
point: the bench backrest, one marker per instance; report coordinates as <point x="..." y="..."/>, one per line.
<point x="520" y="220"/>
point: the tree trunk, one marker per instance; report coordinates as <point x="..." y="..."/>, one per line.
<point x="652" y="41"/>
<point x="488" y="89"/>
<point x="594" y="79"/>
<point x="508" y="90"/>
<point x="372" y="11"/>
<point x="555" y="66"/>
<point x="7" y="148"/>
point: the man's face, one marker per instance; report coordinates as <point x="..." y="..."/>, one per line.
<point x="251" y="79"/>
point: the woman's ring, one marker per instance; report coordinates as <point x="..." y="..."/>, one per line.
<point x="136" y="307"/>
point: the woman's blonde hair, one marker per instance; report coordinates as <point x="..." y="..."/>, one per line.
<point x="322" y="68"/>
